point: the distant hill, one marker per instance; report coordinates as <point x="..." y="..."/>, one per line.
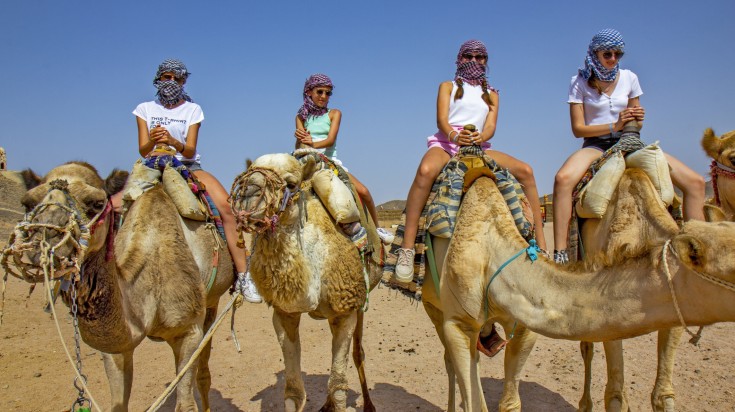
<point x="11" y="211"/>
<point x="392" y="205"/>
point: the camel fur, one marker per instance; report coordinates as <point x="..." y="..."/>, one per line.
<point x="305" y="264"/>
<point x="612" y="297"/>
<point x="154" y="286"/>
<point x="722" y="150"/>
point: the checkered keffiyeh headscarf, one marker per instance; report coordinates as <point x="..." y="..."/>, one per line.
<point x="471" y="72"/>
<point x="169" y="91"/>
<point x="608" y="39"/>
<point x="309" y="108"/>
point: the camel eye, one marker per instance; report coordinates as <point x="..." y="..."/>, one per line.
<point x="291" y="186"/>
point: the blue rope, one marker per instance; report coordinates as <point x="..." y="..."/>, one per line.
<point x="532" y="252"/>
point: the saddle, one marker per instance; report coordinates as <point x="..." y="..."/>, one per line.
<point x="187" y="193"/>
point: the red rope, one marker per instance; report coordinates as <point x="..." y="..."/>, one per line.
<point x="716" y="170"/>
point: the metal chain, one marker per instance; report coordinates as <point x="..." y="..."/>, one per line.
<point x="81" y="399"/>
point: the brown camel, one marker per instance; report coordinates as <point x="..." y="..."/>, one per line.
<point x="152" y="284"/>
<point x="610" y="298"/>
<point x="302" y="263"/>
<point x="722" y="151"/>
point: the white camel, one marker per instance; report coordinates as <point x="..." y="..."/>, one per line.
<point x="302" y="263"/>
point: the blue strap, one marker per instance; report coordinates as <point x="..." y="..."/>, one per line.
<point x="532" y="252"/>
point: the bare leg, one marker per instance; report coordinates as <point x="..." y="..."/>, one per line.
<point x="119" y="370"/>
<point x="343" y="328"/>
<point x="662" y="397"/>
<point x="570" y="173"/>
<point x="588" y="352"/>
<point x="220" y="196"/>
<point x="429" y="168"/>
<point x="287" y="331"/>
<point x="616" y="399"/>
<point x="366" y="198"/>
<point x="691" y="184"/>
<point x="184" y="346"/>
<point x="524" y="173"/>
<point x="358" y="357"/>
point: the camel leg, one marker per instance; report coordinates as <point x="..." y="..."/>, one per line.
<point x="119" y="370"/>
<point x="358" y="357"/>
<point x="438" y="319"/>
<point x="183" y="347"/>
<point x="516" y="354"/>
<point x="460" y="341"/>
<point x="343" y="328"/>
<point x="286" y="326"/>
<point x="204" y="377"/>
<point x="588" y="352"/>
<point x="615" y="398"/>
<point x="662" y="397"/>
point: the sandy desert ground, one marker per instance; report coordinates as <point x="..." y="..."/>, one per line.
<point x="404" y="364"/>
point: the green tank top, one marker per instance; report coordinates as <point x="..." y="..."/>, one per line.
<point x="319" y="126"/>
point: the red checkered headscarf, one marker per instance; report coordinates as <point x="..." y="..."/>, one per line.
<point x="309" y="108"/>
<point x="471" y="72"/>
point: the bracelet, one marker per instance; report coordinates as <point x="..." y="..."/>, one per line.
<point x="611" y="128"/>
<point x="450" y="136"/>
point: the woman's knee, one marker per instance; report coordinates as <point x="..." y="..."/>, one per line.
<point x="694" y="185"/>
<point x="524" y="173"/>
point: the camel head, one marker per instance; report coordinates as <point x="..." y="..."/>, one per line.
<point x="261" y="196"/>
<point x="721" y="149"/>
<point x="706" y="248"/>
<point x="66" y="215"/>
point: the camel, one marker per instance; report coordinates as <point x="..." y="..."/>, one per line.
<point x="302" y="263"/>
<point x="153" y="283"/>
<point x="722" y="151"/>
<point x="613" y="297"/>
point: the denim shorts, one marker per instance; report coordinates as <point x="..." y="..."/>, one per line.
<point x="193" y="166"/>
<point x="601" y="143"/>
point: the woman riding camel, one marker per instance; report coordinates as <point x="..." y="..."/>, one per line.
<point x="174" y="120"/>
<point x="602" y="99"/>
<point x="468" y="99"/>
<point x="317" y="127"/>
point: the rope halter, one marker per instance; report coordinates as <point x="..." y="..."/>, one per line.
<point x="75" y="233"/>
<point x="717" y="169"/>
<point x="709" y="278"/>
<point x="275" y="197"/>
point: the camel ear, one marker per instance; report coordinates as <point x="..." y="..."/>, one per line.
<point x="30" y="179"/>
<point x="308" y="168"/>
<point x="711" y="143"/>
<point x="713" y="213"/>
<point x="248" y="163"/>
<point x="115" y="181"/>
<point x="691" y="251"/>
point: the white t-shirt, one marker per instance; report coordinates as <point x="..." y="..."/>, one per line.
<point x="470" y="109"/>
<point x="601" y="108"/>
<point x="176" y="120"/>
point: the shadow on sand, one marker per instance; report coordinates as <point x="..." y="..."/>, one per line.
<point x="534" y="397"/>
<point x="384" y="396"/>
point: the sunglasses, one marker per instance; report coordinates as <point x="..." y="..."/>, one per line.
<point x="609" y="54"/>
<point x="323" y="92"/>
<point x="476" y="57"/>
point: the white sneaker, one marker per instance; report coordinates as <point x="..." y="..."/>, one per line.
<point x="385" y="236"/>
<point x="247" y="287"/>
<point x="404" y="265"/>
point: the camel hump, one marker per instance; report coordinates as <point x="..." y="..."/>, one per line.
<point x="143" y="178"/>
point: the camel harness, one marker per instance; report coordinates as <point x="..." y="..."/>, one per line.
<point x="718" y="169"/>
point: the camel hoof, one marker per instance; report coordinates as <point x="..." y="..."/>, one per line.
<point x="291" y="405"/>
<point x="665" y="404"/>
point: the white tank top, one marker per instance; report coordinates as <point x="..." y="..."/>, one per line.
<point x="470" y="109"/>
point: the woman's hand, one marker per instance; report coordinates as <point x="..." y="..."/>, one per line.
<point x="159" y="135"/>
<point x="628" y="114"/>
<point x="304" y="137"/>
<point x="467" y="138"/>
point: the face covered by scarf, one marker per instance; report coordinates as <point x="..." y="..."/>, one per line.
<point x="171" y="92"/>
<point x="608" y="39"/>
<point x="472" y="71"/>
<point x="309" y="108"/>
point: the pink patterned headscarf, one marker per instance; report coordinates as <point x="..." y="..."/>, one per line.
<point x="309" y="108"/>
<point x="471" y="72"/>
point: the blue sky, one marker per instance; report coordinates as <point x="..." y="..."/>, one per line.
<point x="73" y="71"/>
